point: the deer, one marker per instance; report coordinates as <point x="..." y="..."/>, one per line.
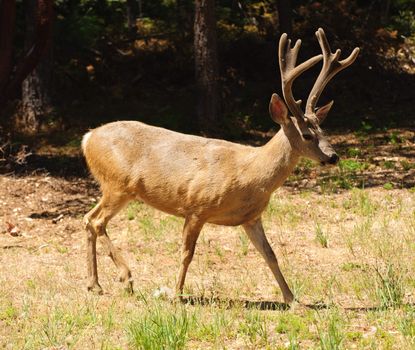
<point x="206" y="180"/>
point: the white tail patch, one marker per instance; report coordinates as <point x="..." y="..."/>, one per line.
<point x="85" y="140"/>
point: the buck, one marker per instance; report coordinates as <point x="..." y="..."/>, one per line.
<point x="208" y="180"/>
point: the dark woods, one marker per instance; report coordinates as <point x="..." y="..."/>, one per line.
<point x="18" y="69"/>
<point x="195" y="66"/>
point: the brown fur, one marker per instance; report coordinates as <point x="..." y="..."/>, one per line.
<point x="200" y="179"/>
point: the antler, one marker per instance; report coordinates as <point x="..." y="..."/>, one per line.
<point x="289" y="72"/>
<point x="331" y="66"/>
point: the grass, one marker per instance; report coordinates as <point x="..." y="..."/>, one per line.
<point x="331" y="335"/>
<point x="254" y="328"/>
<point x="158" y="329"/>
<point x="390" y="287"/>
<point x="321" y="237"/>
<point x="406" y="324"/>
<point x="346" y="176"/>
<point x="359" y="289"/>
<point x="244" y="243"/>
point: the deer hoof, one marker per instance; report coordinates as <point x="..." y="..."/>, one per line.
<point x="129" y="287"/>
<point x="289" y="299"/>
<point x="96" y="289"/>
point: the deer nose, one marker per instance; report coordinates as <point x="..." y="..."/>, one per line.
<point x="334" y="159"/>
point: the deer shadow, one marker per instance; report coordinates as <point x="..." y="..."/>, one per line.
<point x="270" y="305"/>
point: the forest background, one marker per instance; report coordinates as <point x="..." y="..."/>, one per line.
<point x="344" y="235"/>
<point x="200" y="67"/>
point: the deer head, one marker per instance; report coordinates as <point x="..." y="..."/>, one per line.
<point x="303" y="129"/>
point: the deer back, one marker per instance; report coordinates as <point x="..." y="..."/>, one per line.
<point x="177" y="173"/>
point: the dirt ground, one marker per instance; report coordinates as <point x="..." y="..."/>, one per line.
<point x="337" y="244"/>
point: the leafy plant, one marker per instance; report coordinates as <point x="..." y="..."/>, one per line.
<point x="394" y="138"/>
<point x="352" y="165"/>
<point x="407" y="165"/>
<point x="354" y="152"/>
<point x="388" y="164"/>
<point x="404" y="22"/>
<point x="364" y="130"/>
<point x="388" y="186"/>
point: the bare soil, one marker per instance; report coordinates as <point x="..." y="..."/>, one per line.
<point x="42" y="241"/>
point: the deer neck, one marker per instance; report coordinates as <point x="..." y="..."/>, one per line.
<point x="277" y="160"/>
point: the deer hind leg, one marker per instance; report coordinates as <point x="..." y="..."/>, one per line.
<point x="191" y="231"/>
<point x="91" y="251"/>
<point x="256" y="234"/>
<point x="96" y="221"/>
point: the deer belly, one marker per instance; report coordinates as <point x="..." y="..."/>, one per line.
<point x="238" y="215"/>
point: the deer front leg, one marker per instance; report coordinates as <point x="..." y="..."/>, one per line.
<point x="191" y="231"/>
<point x="256" y="234"/>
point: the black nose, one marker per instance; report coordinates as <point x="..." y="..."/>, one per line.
<point x="334" y="159"/>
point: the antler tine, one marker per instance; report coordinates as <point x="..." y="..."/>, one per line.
<point x="289" y="72"/>
<point x="331" y="66"/>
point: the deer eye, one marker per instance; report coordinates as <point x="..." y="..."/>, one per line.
<point x="307" y="137"/>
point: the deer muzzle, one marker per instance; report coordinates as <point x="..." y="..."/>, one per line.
<point x="334" y="159"/>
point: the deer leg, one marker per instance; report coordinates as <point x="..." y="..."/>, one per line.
<point x="256" y="234"/>
<point x="91" y="251"/>
<point x="124" y="273"/>
<point x="97" y="221"/>
<point x="191" y="231"/>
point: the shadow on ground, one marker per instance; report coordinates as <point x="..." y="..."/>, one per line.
<point x="269" y="305"/>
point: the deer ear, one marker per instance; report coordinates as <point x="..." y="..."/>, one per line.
<point x="278" y="110"/>
<point x="322" y="112"/>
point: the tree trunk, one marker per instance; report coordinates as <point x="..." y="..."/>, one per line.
<point x="36" y="104"/>
<point x="131" y="9"/>
<point x="206" y="65"/>
<point x="284" y="16"/>
<point x="140" y="8"/>
<point x="184" y="12"/>
<point x="7" y="21"/>
<point x="385" y="11"/>
<point x="13" y="73"/>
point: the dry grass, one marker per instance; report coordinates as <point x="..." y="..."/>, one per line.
<point x="356" y="289"/>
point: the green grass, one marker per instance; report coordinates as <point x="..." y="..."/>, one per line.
<point x="406" y="324"/>
<point x="255" y="328"/>
<point x="354" y="152"/>
<point x="360" y="203"/>
<point x="390" y="286"/>
<point x="330" y="330"/>
<point x="407" y="165"/>
<point x="244" y="243"/>
<point x="8" y="313"/>
<point x="388" y="186"/>
<point x="293" y="325"/>
<point x="160" y="329"/>
<point x="357" y="292"/>
<point x="351" y="165"/>
<point x="321" y="237"/>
